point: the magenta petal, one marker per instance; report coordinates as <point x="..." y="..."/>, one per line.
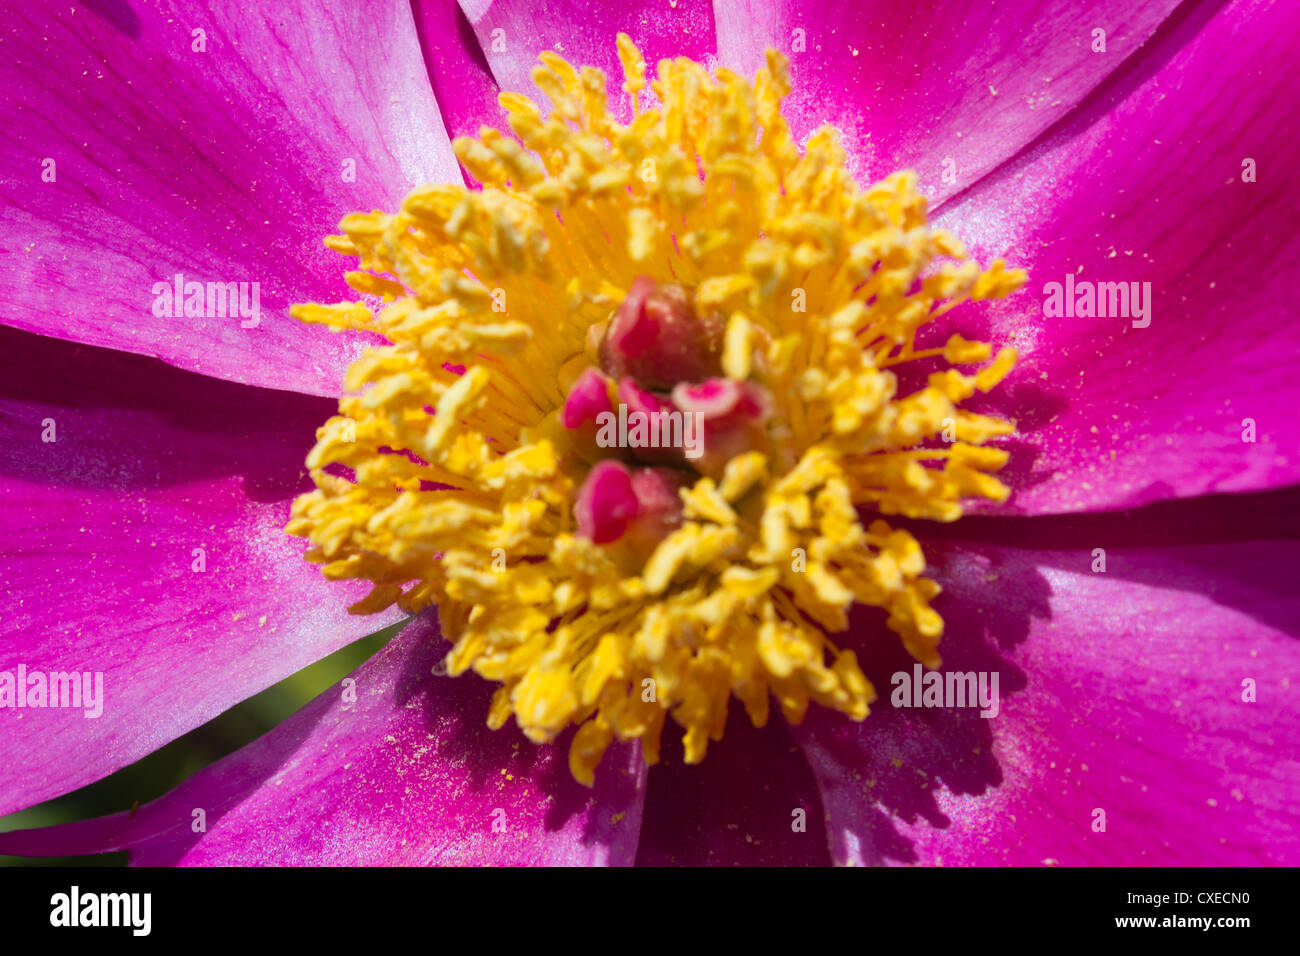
<point x="228" y="165"/>
<point x="752" y="802"/>
<point x="512" y="32"/>
<point x="1146" y="187"/>
<point x="395" y="767"/>
<point x="1119" y="691"/>
<point x="458" y="71"/>
<point x="145" y="542"/>
<point x="950" y="89"/>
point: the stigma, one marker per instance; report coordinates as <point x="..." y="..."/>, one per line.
<point x="639" y="427"/>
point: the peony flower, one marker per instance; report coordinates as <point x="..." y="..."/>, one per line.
<point x="1116" y="436"/>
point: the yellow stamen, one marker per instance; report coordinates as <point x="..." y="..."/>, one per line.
<point x="465" y="480"/>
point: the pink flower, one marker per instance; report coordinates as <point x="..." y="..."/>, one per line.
<point x="1136" y="594"/>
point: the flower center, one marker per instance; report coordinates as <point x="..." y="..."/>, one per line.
<point x="638" y="425"/>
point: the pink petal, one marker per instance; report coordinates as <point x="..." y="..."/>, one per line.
<point x="737" y="808"/>
<point x="221" y="166"/>
<point x="583" y="32"/>
<point x="101" y="528"/>
<point x="1120" y="691"/>
<point x="912" y="86"/>
<point x="1145" y="186"/>
<point x="406" y="774"/>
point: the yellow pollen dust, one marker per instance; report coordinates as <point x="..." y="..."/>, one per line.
<point x="460" y="480"/>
